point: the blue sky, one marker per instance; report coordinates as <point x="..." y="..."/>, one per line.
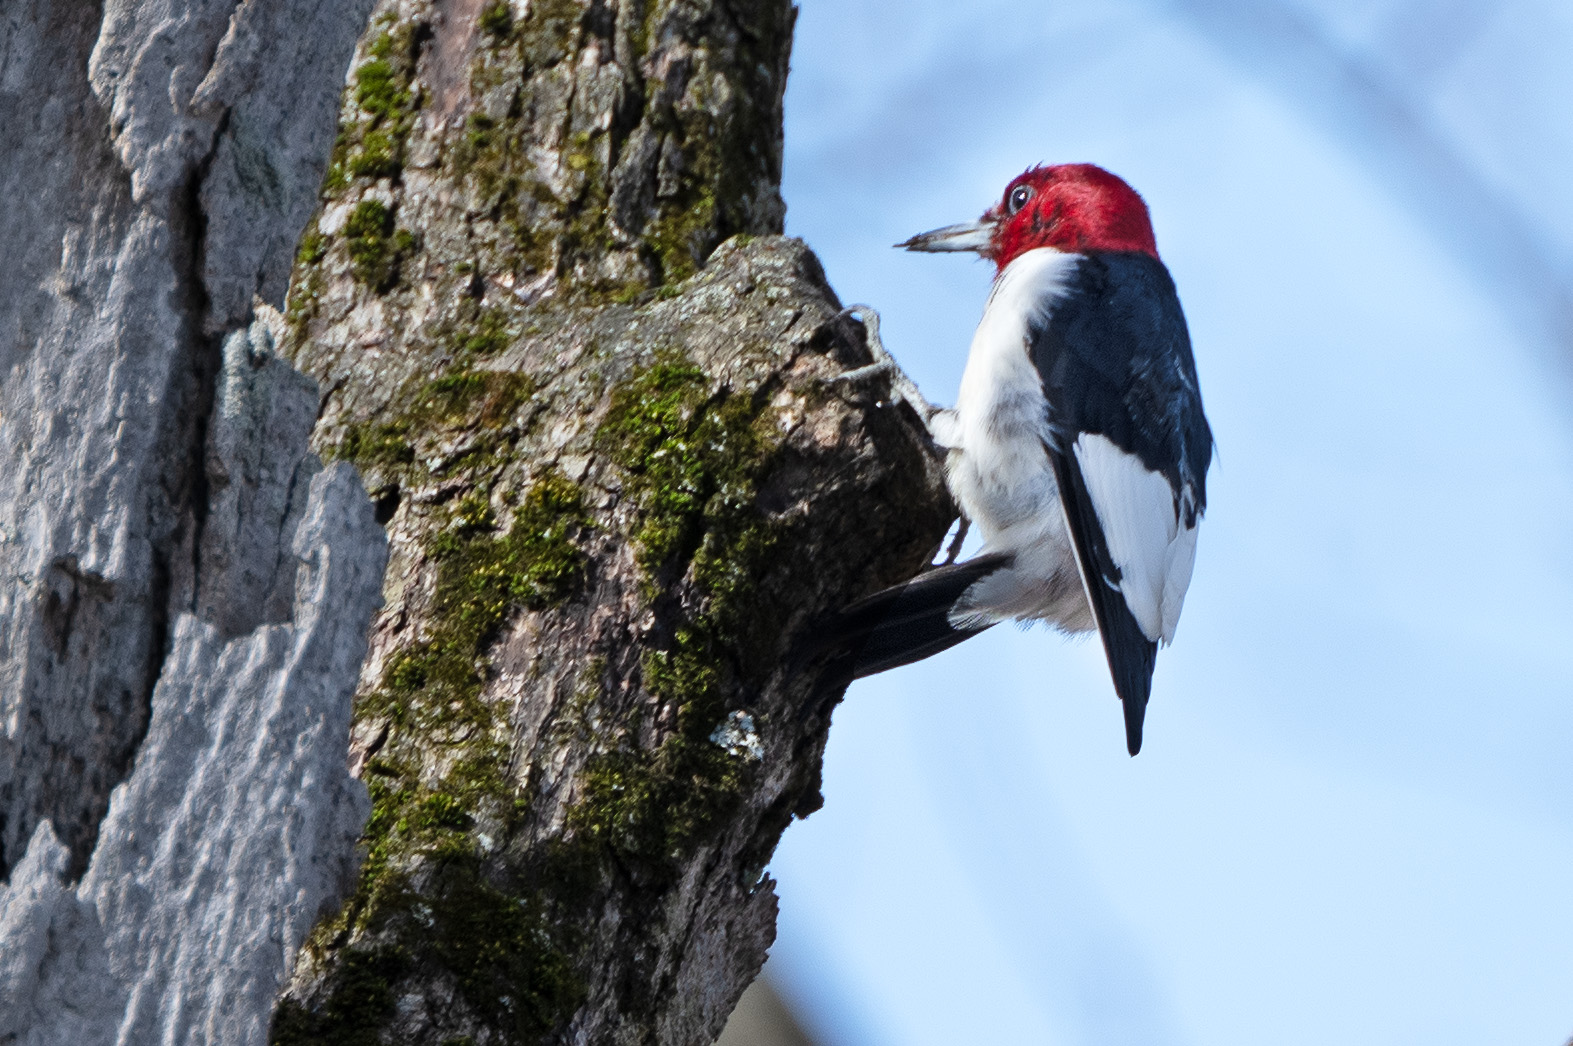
<point x="1352" y="818"/>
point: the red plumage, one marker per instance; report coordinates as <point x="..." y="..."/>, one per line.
<point x="1074" y="207"/>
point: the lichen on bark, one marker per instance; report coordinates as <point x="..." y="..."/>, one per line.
<point x="583" y="375"/>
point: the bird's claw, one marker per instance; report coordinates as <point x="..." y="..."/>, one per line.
<point x="861" y="374"/>
<point x="884" y="365"/>
<point x="953" y="550"/>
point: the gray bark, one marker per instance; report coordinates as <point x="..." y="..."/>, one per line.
<point x="174" y="806"/>
<point x="544" y="308"/>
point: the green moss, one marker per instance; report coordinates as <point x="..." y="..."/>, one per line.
<point x="654" y="805"/>
<point x="313" y="247"/>
<point x="682" y="238"/>
<point x="377" y="157"/>
<point x="370" y="219"/>
<point x="526" y="225"/>
<point x="574" y="720"/>
<point x="521" y="217"/>
<point x="481" y="577"/>
<point x="375" y="247"/>
<point x="683" y="449"/>
<point x="531" y="228"/>
<point x="647" y="431"/>
<point x="486" y="336"/>
<point x="358" y="1001"/>
<point x="377" y="446"/>
<point x="441" y="811"/>
<point x="386" y="95"/>
<point x="486" y="402"/>
<point x="585" y="238"/>
<point x="337" y="177"/>
<point x="726" y="156"/>
<point x="367" y="235"/>
<point x="550" y="33"/>
<point x="694" y="458"/>
<point x="379" y="90"/>
<point x="579" y="153"/>
<point x="642" y="33"/>
<point x="305" y="284"/>
<point x="478" y="131"/>
<point x="497" y="19"/>
<point x="501" y="941"/>
<point x="513" y="975"/>
<point x="490" y="398"/>
<point x="494" y="945"/>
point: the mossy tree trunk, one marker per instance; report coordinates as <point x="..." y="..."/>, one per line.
<point x="582" y="374"/>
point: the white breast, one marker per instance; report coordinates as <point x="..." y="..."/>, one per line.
<point x="997" y="467"/>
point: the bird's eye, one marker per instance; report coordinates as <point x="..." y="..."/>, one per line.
<point x="1019" y="197"/>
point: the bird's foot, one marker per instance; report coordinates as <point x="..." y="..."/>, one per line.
<point x="953" y="550"/>
<point x="884" y="365"/>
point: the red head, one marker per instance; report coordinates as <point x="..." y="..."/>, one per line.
<point x="1072" y="207"/>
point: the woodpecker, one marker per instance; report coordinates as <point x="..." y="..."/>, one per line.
<point x="1077" y="446"/>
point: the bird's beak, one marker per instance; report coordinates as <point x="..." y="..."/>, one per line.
<point x="968" y="236"/>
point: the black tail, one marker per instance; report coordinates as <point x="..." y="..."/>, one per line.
<point x="1131" y="654"/>
<point x="907" y="622"/>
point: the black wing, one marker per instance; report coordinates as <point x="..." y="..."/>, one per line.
<point x="1115" y="360"/>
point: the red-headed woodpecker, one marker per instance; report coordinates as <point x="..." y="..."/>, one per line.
<point x="1077" y="445"/>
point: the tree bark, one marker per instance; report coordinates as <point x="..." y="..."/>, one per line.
<point x="174" y="803"/>
<point x="551" y="321"/>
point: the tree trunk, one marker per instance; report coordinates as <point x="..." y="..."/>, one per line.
<point x="554" y="327"/>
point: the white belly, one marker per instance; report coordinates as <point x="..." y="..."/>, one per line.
<point x="998" y="468"/>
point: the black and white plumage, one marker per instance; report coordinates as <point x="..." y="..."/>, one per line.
<point x="1077" y="447"/>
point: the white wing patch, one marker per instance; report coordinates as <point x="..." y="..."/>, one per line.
<point x="1136" y="509"/>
